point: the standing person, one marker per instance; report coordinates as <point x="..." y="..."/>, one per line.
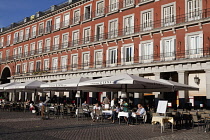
<point x="106" y="102"/>
<point x="115" y="112"/>
<point x="120" y="101"/>
<point x="112" y="103"/>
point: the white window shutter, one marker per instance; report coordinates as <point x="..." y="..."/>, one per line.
<point x="122" y="55"/>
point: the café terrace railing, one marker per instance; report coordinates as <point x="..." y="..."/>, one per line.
<point x="129" y="61"/>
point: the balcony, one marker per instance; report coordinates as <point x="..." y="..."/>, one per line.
<point x="130" y="61"/>
<point x="126" y="4"/>
<point x="141" y="2"/>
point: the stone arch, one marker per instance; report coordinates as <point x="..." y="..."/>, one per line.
<point x="6" y="73"/>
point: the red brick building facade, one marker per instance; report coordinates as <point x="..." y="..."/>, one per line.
<point x="95" y="38"/>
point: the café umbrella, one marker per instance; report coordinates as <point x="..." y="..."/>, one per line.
<point x="178" y="86"/>
<point x="7" y="84"/>
<point x="125" y="82"/>
<point x="69" y="84"/>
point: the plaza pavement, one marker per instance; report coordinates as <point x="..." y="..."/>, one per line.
<point x="27" y="126"/>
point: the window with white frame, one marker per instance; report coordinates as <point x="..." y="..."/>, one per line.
<point x="56" y="43"/>
<point x="75" y="38"/>
<point x="54" y="64"/>
<point x="19" y="51"/>
<point x="147" y="20"/>
<point x="27" y="33"/>
<point x="39" y="46"/>
<point x="26" y="50"/>
<point x="16" y="34"/>
<point x="64" y="63"/>
<point x="87" y="14"/>
<point x="47" y="45"/>
<point x="74" y="61"/>
<point x="146" y="51"/>
<point x="65" y="40"/>
<point x="24" y="68"/>
<point x="113" y="28"/>
<point x="57" y="23"/>
<point x="32" y="48"/>
<point x="194" y="46"/>
<point x="85" y="59"/>
<point x="15" y="52"/>
<point x="76" y="16"/>
<point x="128" y="23"/>
<point x="167" y="48"/>
<point x="127" y="53"/>
<point x="48" y="26"/>
<point x="128" y="3"/>
<point x="41" y="28"/>
<point x="33" y="34"/>
<point x="98" y="58"/>
<point x="0" y="55"/>
<point x="8" y="39"/>
<point x="7" y="54"/>
<point x="46" y="64"/>
<point x="21" y="36"/>
<point x="99" y="8"/>
<point x="113" y="5"/>
<point x="86" y="34"/>
<point x="99" y="32"/>
<point x="18" y="68"/>
<point x="194" y="9"/>
<point x="2" y="42"/>
<point x="38" y="66"/>
<point x="111" y="56"/>
<point x="66" y="20"/>
<point x="168" y="14"/>
<point x="31" y="67"/>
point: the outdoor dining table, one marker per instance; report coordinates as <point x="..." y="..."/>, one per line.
<point x="107" y="112"/>
<point x="162" y="120"/>
<point x="125" y="114"/>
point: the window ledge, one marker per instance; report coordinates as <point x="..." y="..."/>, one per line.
<point x="127" y="7"/>
<point x="145" y="2"/>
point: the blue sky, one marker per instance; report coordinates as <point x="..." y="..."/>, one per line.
<point x="15" y="10"/>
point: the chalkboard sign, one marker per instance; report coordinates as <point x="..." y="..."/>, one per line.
<point x="162" y="105"/>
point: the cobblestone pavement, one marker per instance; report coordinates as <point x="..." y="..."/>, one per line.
<point x="27" y="126"/>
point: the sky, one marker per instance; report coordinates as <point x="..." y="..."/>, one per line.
<point x="16" y="10"/>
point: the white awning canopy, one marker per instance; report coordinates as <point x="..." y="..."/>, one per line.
<point x="125" y="82"/>
<point x="178" y="86"/>
<point x="69" y="84"/>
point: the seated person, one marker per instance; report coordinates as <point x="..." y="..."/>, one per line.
<point x="84" y="104"/>
<point x="93" y="114"/>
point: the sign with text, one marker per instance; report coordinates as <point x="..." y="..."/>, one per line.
<point x="162" y="105"/>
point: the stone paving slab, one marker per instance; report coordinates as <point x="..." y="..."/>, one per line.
<point x="21" y="126"/>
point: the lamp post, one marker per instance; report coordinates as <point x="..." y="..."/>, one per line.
<point x="197" y="80"/>
<point x="77" y="96"/>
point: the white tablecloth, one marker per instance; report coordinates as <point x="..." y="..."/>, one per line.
<point x="107" y="112"/>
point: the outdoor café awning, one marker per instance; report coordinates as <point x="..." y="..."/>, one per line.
<point x="30" y="85"/>
<point x="125" y="82"/>
<point x="178" y="86"/>
<point x="69" y="84"/>
<point x="7" y="84"/>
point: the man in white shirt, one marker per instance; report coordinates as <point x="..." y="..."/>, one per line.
<point x="112" y="103"/>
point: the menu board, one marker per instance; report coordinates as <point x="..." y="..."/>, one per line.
<point x="162" y="105"/>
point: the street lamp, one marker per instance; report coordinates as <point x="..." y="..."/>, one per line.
<point x="77" y="96"/>
<point x="197" y="80"/>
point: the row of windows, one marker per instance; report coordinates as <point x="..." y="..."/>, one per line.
<point x="194" y="43"/>
<point x="147" y="18"/>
